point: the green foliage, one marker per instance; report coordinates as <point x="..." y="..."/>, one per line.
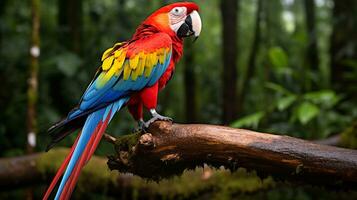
<point x="285" y="102"/>
<point x="278" y="59"/>
<point x="306" y="111"/>
<point x="251" y="120"/>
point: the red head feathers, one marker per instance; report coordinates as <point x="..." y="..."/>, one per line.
<point x="180" y="19"/>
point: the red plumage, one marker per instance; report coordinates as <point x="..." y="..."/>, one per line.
<point x="148" y="96"/>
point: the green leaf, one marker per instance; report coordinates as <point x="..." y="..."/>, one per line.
<point x="251" y="120"/>
<point x="307" y="111"/>
<point x="278" y="58"/>
<point x="285" y="102"/>
<point x="277" y="88"/>
<point x="324" y="97"/>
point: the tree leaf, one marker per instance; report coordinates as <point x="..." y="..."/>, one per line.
<point x="278" y="58"/>
<point x="278" y="88"/>
<point x="327" y="98"/>
<point x="251" y="120"/>
<point x="307" y="111"/>
<point x="285" y="102"/>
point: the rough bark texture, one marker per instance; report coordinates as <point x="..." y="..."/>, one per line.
<point x="229" y="11"/>
<point x="168" y="149"/>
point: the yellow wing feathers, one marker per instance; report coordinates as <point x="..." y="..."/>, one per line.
<point x="117" y="61"/>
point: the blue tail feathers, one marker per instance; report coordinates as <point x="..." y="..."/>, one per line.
<point x="87" y="132"/>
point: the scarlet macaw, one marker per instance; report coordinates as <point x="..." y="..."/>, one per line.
<point x="132" y="73"/>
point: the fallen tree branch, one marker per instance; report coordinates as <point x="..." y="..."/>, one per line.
<point x="39" y="169"/>
<point x="168" y="149"/>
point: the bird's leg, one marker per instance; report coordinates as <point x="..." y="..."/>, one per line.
<point x="156" y="117"/>
<point x="141" y="126"/>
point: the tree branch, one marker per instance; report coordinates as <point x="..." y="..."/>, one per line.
<point x="168" y="149"/>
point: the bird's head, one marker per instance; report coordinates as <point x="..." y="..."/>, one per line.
<point x="181" y="19"/>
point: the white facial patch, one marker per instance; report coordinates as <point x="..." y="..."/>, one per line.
<point x="177" y="17"/>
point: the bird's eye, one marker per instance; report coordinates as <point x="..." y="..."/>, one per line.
<point x="177" y="11"/>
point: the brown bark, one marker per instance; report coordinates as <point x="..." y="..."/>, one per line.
<point x="19" y="171"/>
<point x="229" y="12"/>
<point x="168" y="149"/>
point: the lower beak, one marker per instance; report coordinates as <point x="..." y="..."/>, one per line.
<point x="191" y="26"/>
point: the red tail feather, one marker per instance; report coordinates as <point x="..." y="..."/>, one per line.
<point x="87" y="154"/>
<point x="67" y="191"/>
<point x="61" y="170"/>
<point x="98" y="137"/>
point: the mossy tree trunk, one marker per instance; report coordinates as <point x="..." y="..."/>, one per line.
<point x="32" y="91"/>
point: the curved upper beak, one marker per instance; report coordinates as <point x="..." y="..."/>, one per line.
<point x="191" y="26"/>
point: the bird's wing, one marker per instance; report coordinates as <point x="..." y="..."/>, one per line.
<point x="126" y="68"/>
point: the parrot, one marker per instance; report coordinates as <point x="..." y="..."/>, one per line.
<point x="131" y="74"/>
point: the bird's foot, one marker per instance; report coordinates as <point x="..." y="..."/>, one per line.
<point x="141" y="127"/>
<point x="156" y="117"/>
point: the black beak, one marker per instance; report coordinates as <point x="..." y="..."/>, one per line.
<point x="185" y="29"/>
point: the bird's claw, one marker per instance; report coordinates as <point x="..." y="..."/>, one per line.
<point x="157" y="117"/>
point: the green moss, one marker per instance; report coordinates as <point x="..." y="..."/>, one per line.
<point x="49" y="162"/>
<point x="94" y="173"/>
<point x="126" y="142"/>
<point x="221" y="184"/>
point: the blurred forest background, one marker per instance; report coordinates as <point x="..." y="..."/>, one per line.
<point x="280" y="66"/>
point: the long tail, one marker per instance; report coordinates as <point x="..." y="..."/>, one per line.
<point x="82" y="150"/>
